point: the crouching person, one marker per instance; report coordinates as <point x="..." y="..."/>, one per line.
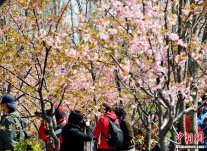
<point x="73" y="133"/>
<point x="11" y="126"/>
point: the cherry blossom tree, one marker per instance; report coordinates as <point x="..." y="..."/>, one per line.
<point x="157" y="50"/>
<point x="37" y="57"/>
<point x="147" y="54"/>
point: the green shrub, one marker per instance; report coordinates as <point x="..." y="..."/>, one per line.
<point x="28" y="145"/>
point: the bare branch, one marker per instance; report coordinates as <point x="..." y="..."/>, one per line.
<point x="16" y="76"/>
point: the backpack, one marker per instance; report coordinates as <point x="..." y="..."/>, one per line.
<point x="26" y="135"/>
<point x="21" y="134"/>
<point x="115" y="135"/>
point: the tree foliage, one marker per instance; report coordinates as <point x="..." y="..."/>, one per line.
<point x="150" y="55"/>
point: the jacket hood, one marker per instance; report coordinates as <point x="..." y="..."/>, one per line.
<point x="76" y="118"/>
<point x="112" y="115"/>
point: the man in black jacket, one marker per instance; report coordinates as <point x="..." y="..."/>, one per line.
<point x="73" y="133"/>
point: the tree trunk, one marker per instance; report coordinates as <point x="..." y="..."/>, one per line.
<point x="182" y="126"/>
<point x="148" y="135"/>
<point x="163" y="143"/>
<point x="193" y="128"/>
<point x="193" y="123"/>
<point x="173" y="138"/>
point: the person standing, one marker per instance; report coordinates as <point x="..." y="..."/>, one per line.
<point x="202" y="121"/>
<point x="11" y="124"/>
<point x="102" y="128"/>
<point x="128" y="143"/>
<point x="73" y="133"/>
<point x="61" y="120"/>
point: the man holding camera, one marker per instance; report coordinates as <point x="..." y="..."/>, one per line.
<point x="73" y="133"/>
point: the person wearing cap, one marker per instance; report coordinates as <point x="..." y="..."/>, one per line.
<point x="61" y="120"/>
<point x="102" y="128"/>
<point x="73" y="133"/>
<point x="11" y="124"/>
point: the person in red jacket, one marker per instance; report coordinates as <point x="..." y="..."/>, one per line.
<point x="61" y="120"/>
<point x="188" y="120"/>
<point x="102" y="128"/>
